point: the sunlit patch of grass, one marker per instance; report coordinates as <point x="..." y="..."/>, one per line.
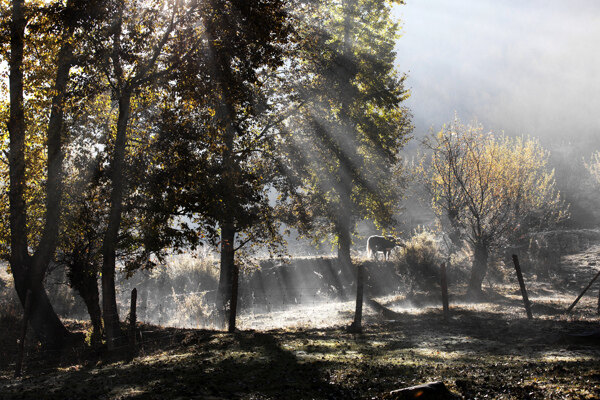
<point x="124" y="391"/>
<point x="554" y="357"/>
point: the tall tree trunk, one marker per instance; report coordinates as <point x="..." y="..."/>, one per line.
<point x="480" y="265"/>
<point x="19" y="256"/>
<point x="54" y="185"/>
<point x="109" y="245"/>
<point x="347" y="134"/>
<point x="347" y="272"/>
<point x="228" y="229"/>
<point x="220" y="69"/>
<point x="48" y="327"/>
<point x="344" y="243"/>
<point x="29" y="271"/>
<point x="233" y="302"/>
<point x="91" y="297"/>
<point x="125" y="90"/>
<point x="226" y="274"/>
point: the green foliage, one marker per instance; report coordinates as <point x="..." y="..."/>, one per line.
<point x="343" y="143"/>
<point x="215" y="146"/>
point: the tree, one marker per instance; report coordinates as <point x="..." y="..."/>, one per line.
<point x="491" y="189"/>
<point x="139" y="46"/>
<point x="147" y="230"/>
<point x="81" y="235"/>
<point x="60" y="26"/>
<point x="219" y="128"/>
<point x="343" y="144"/>
<point x="346" y="140"/>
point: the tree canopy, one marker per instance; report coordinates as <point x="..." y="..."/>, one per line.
<point x="343" y="143"/>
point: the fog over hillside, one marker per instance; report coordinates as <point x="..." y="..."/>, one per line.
<point x="525" y="68"/>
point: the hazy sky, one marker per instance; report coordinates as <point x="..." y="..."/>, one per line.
<point x="525" y="67"/>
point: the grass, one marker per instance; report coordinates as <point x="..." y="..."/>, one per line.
<point x="486" y="349"/>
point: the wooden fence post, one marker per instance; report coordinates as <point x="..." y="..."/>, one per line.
<point x="132" y="323"/>
<point x="583" y="292"/>
<point x="19" y="363"/>
<point x="356" y="326"/>
<point x="522" y="285"/>
<point x="444" y="285"/>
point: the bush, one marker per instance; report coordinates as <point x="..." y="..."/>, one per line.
<point x="177" y="293"/>
<point x="420" y="259"/>
<point x="193" y="310"/>
<point x="185" y="274"/>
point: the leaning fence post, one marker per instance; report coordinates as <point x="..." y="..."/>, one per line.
<point x="522" y="285"/>
<point x="444" y="285"/>
<point x="583" y="292"/>
<point x="27" y="310"/>
<point x="132" y="323"/>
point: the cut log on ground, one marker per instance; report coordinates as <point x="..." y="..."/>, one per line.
<point x="428" y="391"/>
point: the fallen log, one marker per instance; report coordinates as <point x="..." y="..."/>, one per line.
<point x="428" y="391"/>
<point x="383" y="310"/>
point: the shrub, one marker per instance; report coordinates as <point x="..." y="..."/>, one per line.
<point x="184" y="273"/>
<point x="193" y="310"/>
<point x="174" y="293"/>
<point x="420" y="258"/>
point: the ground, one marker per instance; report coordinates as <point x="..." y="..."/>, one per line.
<point x="487" y="349"/>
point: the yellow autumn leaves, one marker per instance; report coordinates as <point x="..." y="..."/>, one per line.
<point x="492" y="186"/>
